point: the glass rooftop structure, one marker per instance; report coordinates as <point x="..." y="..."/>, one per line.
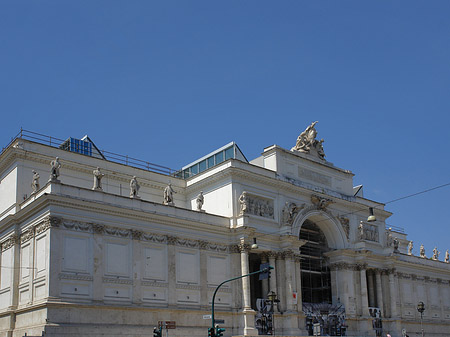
<point x="229" y="151"/>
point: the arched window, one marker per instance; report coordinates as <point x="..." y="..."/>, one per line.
<point x="316" y="280"/>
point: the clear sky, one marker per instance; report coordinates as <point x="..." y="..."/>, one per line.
<point x="170" y="81"/>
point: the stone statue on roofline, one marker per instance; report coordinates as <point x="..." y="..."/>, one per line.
<point x="447" y="257"/>
<point x="35" y="183"/>
<point x="134" y="188"/>
<point x="168" y="195"/>
<point x="410" y="247"/>
<point x="98" y="175"/>
<point x="54" y="171"/>
<point x="200" y="200"/>
<point x="435" y="254"/>
<point x="307" y="142"/>
<point x="422" y="252"/>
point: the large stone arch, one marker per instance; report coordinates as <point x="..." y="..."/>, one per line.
<point x="329" y="225"/>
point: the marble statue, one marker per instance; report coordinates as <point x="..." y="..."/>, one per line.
<point x="35" y="183"/>
<point x="55" y="166"/>
<point x="396" y="243"/>
<point x="134" y="188"/>
<point x="200" y="200"/>
<point x="389" y="237"/>
<point x="98" y="175"/>
<point x="435" y="254"/>
<point x="447" y="257"/>
<point x="361" y="231"/>
<point x="422" y="252"/>
<point x="168" y="195"/>
<point x="307" y="141"/>
<point x="243" y="201"/>
<point x="410" y="247"/>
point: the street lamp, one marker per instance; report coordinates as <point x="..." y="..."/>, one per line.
<point x="272" y="297"/>
<point x="421" y="309"/>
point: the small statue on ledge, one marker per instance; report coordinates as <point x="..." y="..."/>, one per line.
<point x="447" y="257"/>
<point x="168" y="195"/>
<point x="54" y="172"/>
<point x="410" y="247"/>
<point x="35" y="183"/>
<point x="435" y="254"/>
<point x="200" y="200"/>
<point x="307" y="142"/>
<point x="98" y="175"/>
<point x="422" y="252"/>
<point x="134" y="188"/>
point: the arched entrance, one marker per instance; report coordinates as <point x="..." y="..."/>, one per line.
<point x="329" y="318"/>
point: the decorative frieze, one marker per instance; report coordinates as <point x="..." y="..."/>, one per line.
<point x="27" y="236"/>
<point x="368" y="232"/>
<point x="289" y="213"/>
<point x="116" y="280"/>
<point x="188" y="286"/>
<point x="255" y="205"/>
<point x="154" y="284"/>
<point x="10" y="241"/>
<point x="77" y="277"/>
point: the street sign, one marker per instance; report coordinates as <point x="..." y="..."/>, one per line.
<point x="219" y="321"/>
<point x="167" y="324"/>
<point x="264" y="276"/>
<point x="207" y="316"/>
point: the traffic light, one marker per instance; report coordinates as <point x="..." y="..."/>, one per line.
<point x="211" y="332"/>
<point x="157" y="332"/>
<point x="219" y="331"/>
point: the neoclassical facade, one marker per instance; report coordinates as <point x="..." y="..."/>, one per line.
<point x="91" y="246"/>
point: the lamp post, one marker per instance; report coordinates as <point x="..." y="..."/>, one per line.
<point x="272" y="296"/>
<point x="421" y="309"/>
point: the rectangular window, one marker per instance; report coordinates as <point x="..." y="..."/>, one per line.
<point x="210" y="161"/>
<point x="219" y="157"/>
<point x="202" y="165"/>
<point x="229" y="153"/>
<point x="194" y="169"/>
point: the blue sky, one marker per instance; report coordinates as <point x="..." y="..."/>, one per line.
<point x="169" y="81"/>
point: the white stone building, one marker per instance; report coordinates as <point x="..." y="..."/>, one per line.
<point x="82" y="261"/>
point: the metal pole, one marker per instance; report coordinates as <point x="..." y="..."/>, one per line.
<point x="265" y="270"/>
<point x="421" y="322"/>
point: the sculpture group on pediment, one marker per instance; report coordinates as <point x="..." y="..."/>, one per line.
<point x="368" y="232"/>
<point x="54" y="170"/>
<point x="35" y="182"/>
<point x="306" y="142"/>
<point x="255" y="206"/>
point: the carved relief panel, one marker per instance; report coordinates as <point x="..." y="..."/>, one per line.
<point x="256" y="205"/>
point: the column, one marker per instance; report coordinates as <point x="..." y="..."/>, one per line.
<point x="288" y="275"/>
<point x="273" y="276"/>
<point x="279" y="271"/>
<point x="379" y="291"/>
<point x="172" y="271"/>
<point x="249" y="314"/>
<point x="137" y="263"/>
<point x="364" y="300"/>
<point x="245" y="270"/>
<point x="265" y="282"/>
<point x="371" y="290"/>
<point x="298" y="281"/>
<point x="204" y="300"/>
<point x="392" y="293"/>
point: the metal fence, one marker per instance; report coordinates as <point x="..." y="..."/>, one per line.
<point x="111" y="156"/>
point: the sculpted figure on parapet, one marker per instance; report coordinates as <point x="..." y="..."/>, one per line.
<point x="307" y="141"/>
<point x="98" y="175"/>
<point x="422" y="252"/>
<point x="134" y="188"/>
<point x="200" y="200"/>
<point x="168" y="195"/>
<point x="435" y="254"/>
<point x="35" y="183"/>
<point x="447" y="257"/>
<point x="55" y="166"/>
<point x="410" y="247"/>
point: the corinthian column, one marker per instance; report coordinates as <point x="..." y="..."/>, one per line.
<point x="289" y="282"/>
<point x="379" y="291"/>
<point x="364" y="300"/>
<point x="392" y="293"/>
<point x="249" y="314"/>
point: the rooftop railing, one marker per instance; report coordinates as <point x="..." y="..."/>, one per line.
<point x="111" y="156"/>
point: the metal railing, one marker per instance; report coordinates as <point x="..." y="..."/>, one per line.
<point x="396" y="229"/>
<point x="110" y="156"/>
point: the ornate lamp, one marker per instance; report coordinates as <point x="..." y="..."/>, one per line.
<point x="371" y="217"/>
<point x="421" y="309"/>
<point x="254" y="244"/>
